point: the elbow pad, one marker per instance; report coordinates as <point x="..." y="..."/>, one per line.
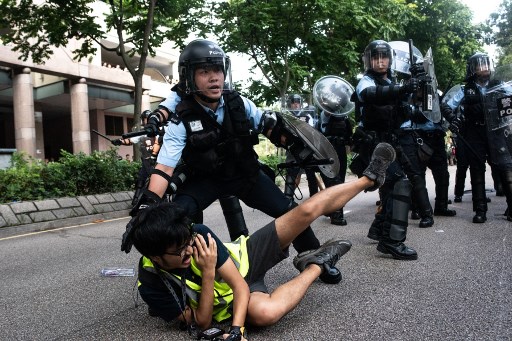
<point x="381" y="94"/>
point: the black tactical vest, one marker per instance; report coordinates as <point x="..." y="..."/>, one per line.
<point x="212" y="148"/>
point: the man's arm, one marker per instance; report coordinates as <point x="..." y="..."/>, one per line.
<point x="230" y="274"/>
<point x="206" y="258"/>
<point x="158" y="184"/>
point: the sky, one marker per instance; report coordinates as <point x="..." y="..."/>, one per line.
<point x="482" y="8"/>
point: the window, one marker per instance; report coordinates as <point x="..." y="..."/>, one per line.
<point x="129" y="123"/>
<point x="114" y="125"/>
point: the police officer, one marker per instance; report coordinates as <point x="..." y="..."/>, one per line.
<point x="149" y="147"/>
<point x="294" y="106"/>
<point x="478" y="72"/>
<point x="383" y="109"/>
<point x="212" y="130"/>
<point x="338" y="130"/>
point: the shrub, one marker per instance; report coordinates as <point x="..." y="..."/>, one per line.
<point x="72" y="175"/>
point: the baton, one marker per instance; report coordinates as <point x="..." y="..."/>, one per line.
<point x="308" y="164"/>
<point x="136" y="133"/>
<point x="100" y="134"/>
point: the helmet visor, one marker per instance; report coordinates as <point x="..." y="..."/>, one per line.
<point x="480" y="65"/>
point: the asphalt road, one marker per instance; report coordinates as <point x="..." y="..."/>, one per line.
<point x="460" y="288"/>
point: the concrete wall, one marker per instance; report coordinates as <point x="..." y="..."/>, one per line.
<point x="29" y="216"/>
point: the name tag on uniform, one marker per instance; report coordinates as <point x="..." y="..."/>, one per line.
<point x="196" y="126"/>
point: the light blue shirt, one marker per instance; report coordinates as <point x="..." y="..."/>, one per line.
<point x="175" y="137"/>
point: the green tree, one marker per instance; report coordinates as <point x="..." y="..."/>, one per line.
<point x="296" y="42"/>
<point x="445" y="25"/>
<point x="35" y="29"/>
<point x="503" y="35"/>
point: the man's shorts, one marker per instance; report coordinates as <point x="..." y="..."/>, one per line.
<point x="264" y="253"/>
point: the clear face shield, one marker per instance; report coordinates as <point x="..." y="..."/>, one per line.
<point x="294" y="103"/>
<point x="481" y="67"/>
<point x="378" y="60"/>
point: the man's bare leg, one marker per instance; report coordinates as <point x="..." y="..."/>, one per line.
<point x="266" y="309"/>
<point x="333" y="198"/>
<point x="329" y="200"/>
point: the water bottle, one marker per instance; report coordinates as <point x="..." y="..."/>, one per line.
<point x="117" y="272"/>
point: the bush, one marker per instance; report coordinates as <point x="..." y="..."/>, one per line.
<point x="72" y="175"/>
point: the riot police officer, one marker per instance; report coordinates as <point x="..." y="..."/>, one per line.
<point x="383" y="109"/>
<point x="472" y="97"/>
<point x="212" y="130"/>
<point x="332" y="96"/>
<point x="294" y="105"/>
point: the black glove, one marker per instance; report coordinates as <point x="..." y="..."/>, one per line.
<point x="235" y="333"/>
<point x="410" y="87"/>
<point x="272" y="122"/>
<point x="152" y="126"/>
<point x="417" y="70"/>
<point x="117" y="142"/>
<point x="455" y="125"/>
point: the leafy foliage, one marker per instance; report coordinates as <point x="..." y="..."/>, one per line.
<point x="72" y="175"/>
<point x="446" y="27"/>
<point x="503" y="36"/>
<point x="294" y="43"/>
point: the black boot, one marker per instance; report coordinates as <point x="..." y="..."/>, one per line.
<point x="419" y="197"/>
<point x="234" y="217"/>
<point x="480" y="217"/>
<point x="337" y="218"/>
<point x="427" y="220"/>
<point x="398" y="250"/>
<point x="479" y="198"/>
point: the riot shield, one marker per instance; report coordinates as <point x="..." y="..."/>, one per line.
<point x="434" y="114"/>
<point x="498" y="110"/>
<point x="311" y="148"/>
<point x="401" y="65"/>
<point x="401" y="60"/>
<point x="332" y="94"/>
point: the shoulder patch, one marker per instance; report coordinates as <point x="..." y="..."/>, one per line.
<point x="175" y="119"/>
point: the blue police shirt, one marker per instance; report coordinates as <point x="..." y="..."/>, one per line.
<point x="175" y="137"/>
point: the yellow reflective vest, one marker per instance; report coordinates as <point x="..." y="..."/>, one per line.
<point x="223" y="295"/>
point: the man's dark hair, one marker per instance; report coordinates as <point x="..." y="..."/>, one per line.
<point x="159" y="227"/>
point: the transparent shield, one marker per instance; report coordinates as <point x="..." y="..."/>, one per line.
<point x="332" y="94"/>
<point x="498" y="114"/>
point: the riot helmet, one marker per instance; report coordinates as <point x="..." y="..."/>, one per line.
<point x="294" y="101"/>
<point x="332" y="95"/>
<point x="375" y="52"/>
<point x="202" y="53"/>
<point x="478" y="67"/>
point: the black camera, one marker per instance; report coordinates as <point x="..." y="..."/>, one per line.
<point x="211" y="334"/>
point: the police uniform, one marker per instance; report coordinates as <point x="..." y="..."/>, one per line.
<point x="218" y="148"/>
<point x="338" y="130"/>
<point x="381" y="118"/>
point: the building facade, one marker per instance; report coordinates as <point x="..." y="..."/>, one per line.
<point x="46" y="108"/>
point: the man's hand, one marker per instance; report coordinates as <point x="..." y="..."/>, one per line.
<point x="117" y="142"/>
<point x="205" y="254"/>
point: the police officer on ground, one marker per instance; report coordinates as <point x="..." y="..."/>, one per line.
<point x="383" y="109"/>
<point x="212" y="130"/>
